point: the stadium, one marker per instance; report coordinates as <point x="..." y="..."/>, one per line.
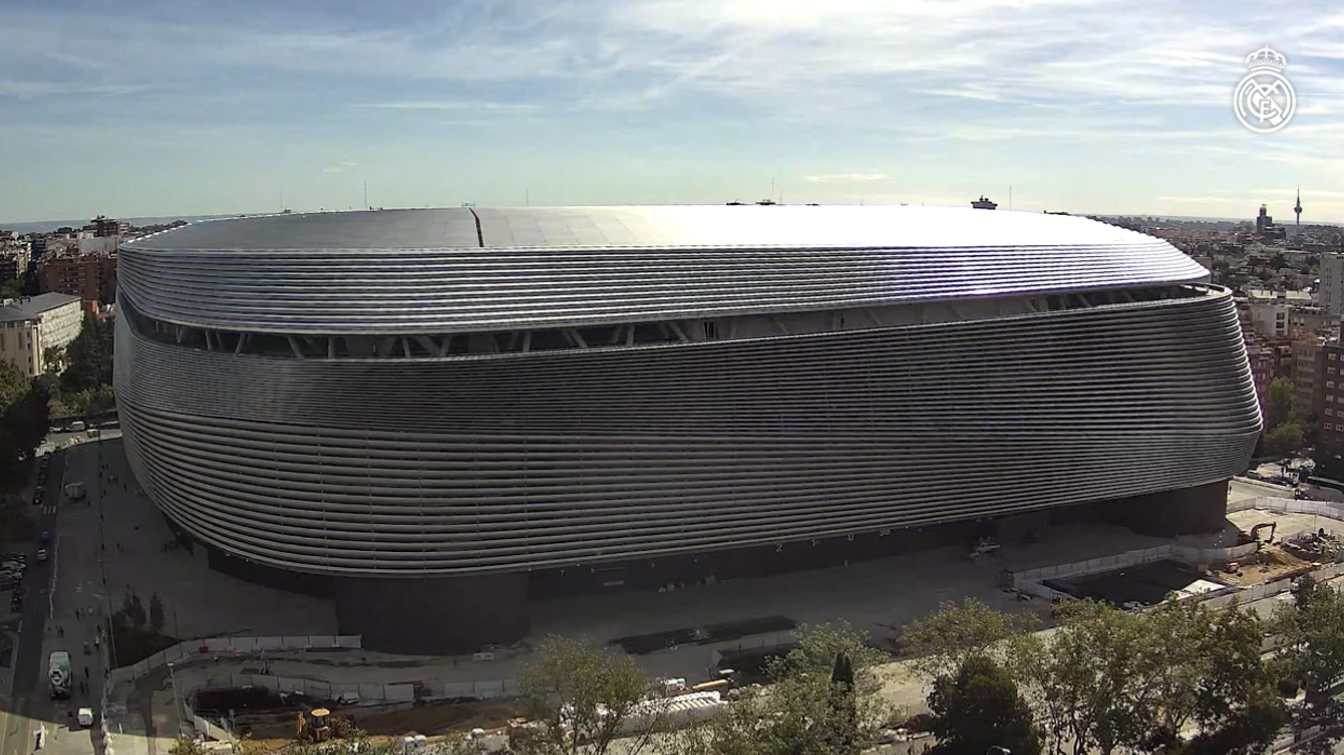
<point x="422" y="412"/>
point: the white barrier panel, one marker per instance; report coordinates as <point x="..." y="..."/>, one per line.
<point x="371" y="692"/>
<point x="490" y="689"/>
<point x="268" y="643"/>
<point x="243" y="644"/>
<point x="294" y="642"/>
<point x="321" y="641"/>
<point x="350" y="641"/>
<point x="400" y="693"/>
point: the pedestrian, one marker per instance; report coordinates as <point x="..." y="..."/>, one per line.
<point x="86" y="672"/>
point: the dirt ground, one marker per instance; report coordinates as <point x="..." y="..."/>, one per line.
<point x="432" y="720"/>
<point x="1269" y="564"/>
<point x="441" y="718"/>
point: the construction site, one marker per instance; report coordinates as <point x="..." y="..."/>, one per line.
<point x="708" y="640"/>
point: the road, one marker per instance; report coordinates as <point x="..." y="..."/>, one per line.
<point x="56" y="590"/>
<point x="28" y="700"/>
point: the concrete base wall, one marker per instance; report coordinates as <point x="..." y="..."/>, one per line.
<point x="428" y="616"/>
<point x="1172" y="512"/>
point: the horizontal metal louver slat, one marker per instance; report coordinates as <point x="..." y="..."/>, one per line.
<point x="458" y="466"/>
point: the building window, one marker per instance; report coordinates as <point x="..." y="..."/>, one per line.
<point x="1331" y="399"/>
<point x="1330" y="370"/>
<point x="1333" y="355"/>
<point x="1329" y="427"/>
<point x="1329" y="384"/>
<point x="1329" y="412"/>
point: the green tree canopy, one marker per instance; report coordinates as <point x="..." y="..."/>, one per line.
<point x="1279" y="402"/>
<point x="943" y="641"/>
<point x="23" y="423"/>
<point x="980" y="707"/>
<point x="89" y="357"/>
<point x="810" y="707"/>
<point x="580" y="695"/>
<point x="1313" y="640"/>
<point x="1284" y="439"/>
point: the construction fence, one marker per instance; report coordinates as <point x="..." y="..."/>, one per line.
<point x="1027" y="579"/>
<point x="214" y="646"/>
<point x="1330" y="509"/>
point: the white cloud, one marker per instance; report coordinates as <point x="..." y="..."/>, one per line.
<point x="832" y="178"/>
<point x="454" y="105"/>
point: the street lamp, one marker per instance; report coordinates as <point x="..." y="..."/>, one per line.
<point x="177" y="698"/>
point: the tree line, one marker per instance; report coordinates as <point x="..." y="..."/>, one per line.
<point x="78" y="378"/>
<point x="1179" y="679"/>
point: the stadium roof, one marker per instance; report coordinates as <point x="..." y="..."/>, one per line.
<point x="472" y="270"/>
<point x="758" y="226"/>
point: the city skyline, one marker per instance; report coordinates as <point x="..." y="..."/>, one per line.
<point x="1089" y="108"/>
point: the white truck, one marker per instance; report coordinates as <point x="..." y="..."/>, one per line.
<point x="58" y="671"/>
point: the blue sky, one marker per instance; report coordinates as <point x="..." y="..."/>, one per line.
<point x="1122" y="107"/>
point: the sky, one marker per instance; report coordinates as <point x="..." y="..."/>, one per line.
<point x="145" y="109"/>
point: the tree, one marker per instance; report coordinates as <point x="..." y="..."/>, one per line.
<point x="810" y="708"/>
<point x="23" y="423"/>
<point x="1284" y="438"/>
<point x="819" y="644"/>
<point x="89" y="357"/>
<point x="1091" y="679"/>
<point x="155" y="614"/>
<point x="581" y="696"/>
<point x="958" y="631"/>
<point x="1249" y="732"/>
<point x="980" y="707"/>
<point x="1279" y="404"/>
<point x="54" y="358"/>
<point x="1313" y="641"/>
<point x="845" y="734"/>
<point x="13" y="384"/>
<point x="1236" y="689"/>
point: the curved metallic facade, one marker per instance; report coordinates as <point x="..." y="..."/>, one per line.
<point x="491" y="463"/>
